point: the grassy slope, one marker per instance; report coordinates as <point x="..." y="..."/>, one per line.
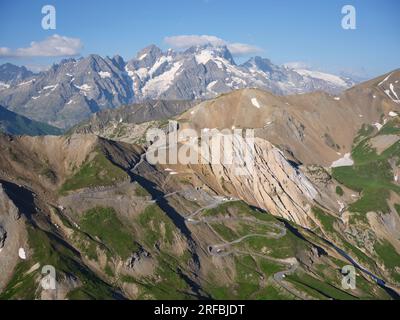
<point x="97" y="172"/>
<point x="249" y="268"/>
<point x="48" y="249"/>
<point x="371" y="174"/>
<point x="103" y="224"/>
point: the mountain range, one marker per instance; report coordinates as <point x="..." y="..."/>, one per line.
<point x="72" y="90"/>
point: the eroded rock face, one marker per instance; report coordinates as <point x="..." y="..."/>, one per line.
<point x="8" y="210"/>
<point x="268" y="180"/>
<point x="274" y="184"/>
<point x="3" y="236"/>
<point x="137" y="257"/>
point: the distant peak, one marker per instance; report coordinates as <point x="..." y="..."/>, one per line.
<point x="151" y="49"/>
<point x="118" y="61"/>
<point x="217" y="50"/>
<point x="263" y="64"/>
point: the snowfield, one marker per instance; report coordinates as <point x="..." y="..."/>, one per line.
<point x="322" y="76"/>
<point x="162" y="82"/>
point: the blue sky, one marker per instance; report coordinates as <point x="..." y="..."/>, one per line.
<point x="306" y="31"/>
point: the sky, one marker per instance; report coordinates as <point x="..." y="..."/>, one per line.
<point x="306" y="32"/>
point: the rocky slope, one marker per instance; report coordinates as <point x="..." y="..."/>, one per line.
<point x="13" y="123"/>
<point x="319" y="190"/>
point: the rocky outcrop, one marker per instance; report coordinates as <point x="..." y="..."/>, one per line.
<point x="3" y="236"/>
<point x="12" y="236"/>
<point x="136" y="258"/>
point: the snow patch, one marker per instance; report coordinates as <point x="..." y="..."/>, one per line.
<point x="142" y="73"/>
<point x="377" y="125"/>
<point x="384" y="80"/>
<point x="21" y="253"/>
<point x="204" y="56"/>
<point x="104" y="74"/>
<point x="393" y="114"/>
<point x="143" y="56"/>
<point x="159" y="63"/>
<point x="84" y="87"/>
<point x="211" y="85"/>
<point x="52" y="87"/>
<point x="345" y="161"/>
<point x="27" y="82"/>
<point x="4" y="85"/>
<point x="255" y="103"/>
<point x="394" y="93"/>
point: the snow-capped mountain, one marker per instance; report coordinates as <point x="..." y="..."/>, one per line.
<point x="11" y="74"/>
<point x="73" y="89"/>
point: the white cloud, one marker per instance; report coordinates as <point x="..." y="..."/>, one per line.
<point x="242" y="49"/>
<point x="4" y="51"/>
<point x="53" y="46"/>
<point x="297" y="65"/>
<point x="186" y="41"/>
<point x="37" y="67"/>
